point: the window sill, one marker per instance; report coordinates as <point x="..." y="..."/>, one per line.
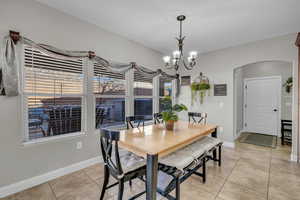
<point x="53" y="139"/>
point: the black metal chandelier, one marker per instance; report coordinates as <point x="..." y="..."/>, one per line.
<point x="178" y="58"/>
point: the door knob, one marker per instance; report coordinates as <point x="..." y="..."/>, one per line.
<point x="275" y="110"/>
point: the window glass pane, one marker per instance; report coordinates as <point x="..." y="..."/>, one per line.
<point x="54" y="91"/>
<point x="108" y="83"/>
<point x="165" y="87"/>
<point x="50" y="116"/>
<point x="110" y="111"/>
<point x="143" y="106"/>
<point x="164" y="104"/>
<point x="143" y="85"/>
<point x="143" y="89"/>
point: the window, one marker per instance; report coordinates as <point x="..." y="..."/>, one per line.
<point x="143" y="86"/>
<point x="53" y="95"/>
<point x="109" y="89"/>
<point x="143" y="89"/>
<point x="165" y="93"/>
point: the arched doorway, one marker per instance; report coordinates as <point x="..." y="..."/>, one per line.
<point x="258" y="73"/>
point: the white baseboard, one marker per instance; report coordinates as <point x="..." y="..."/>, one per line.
<point x="239" y="133"/>
<point x="37" y="180"/>
<point x="229" y="144"/>
<point x="294" y="158"/>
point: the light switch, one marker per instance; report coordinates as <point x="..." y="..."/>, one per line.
<point x="221" y="104"/>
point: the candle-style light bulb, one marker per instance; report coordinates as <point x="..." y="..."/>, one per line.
<point x="167" y="59"/>
<point x="193" y="54"/>
<point x="174" y="61"/>
<point x="176" y="54"/>
<point x="190" y="59"/>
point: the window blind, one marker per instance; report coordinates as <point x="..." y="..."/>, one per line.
<point x="108" y="83"/>
<point x="53" y="90"/>
<point x="140" y="77"/>
<point x="142" y="84"/>
<point x="46" y="75"/>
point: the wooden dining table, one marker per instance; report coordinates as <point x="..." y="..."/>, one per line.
<point x="154" y="141"/>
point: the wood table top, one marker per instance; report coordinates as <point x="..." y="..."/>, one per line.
<point x="155" y="139"/>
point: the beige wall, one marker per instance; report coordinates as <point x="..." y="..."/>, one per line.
<point x="219" y="67"/>
<point x="46" y="25"/>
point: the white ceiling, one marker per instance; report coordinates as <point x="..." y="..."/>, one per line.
<point x="210" y="24"/>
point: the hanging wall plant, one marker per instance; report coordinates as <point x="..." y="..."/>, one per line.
<point x="200" y="88"/>
<point x="288" y="84"/>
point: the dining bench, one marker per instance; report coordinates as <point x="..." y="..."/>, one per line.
<point x="180" y="165"/>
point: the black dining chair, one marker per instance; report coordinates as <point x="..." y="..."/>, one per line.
<point x="130" y="120"/>
<point x="197" y="117"/>
<point x="122" y="168"/>
<point x="157" y="118"/>
<point x="286" y="131"/>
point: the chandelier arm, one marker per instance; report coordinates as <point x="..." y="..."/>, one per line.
<point x="171" y="66"/>
<point x="185" y="65"/>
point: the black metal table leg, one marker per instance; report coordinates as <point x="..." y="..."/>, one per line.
<point x="214" y="134"/>
<point x="151" y="180"/>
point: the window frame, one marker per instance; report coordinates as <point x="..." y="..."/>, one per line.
<point x="153" y="96"/>
<point x="161" y="97"/>
<point x="95" y="96"/>
<point x="24" y="104"/>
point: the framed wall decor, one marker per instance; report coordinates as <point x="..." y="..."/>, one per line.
<point x="185" y="80"/>
<point x="220" y="89"/>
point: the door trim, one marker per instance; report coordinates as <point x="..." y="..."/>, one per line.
<point x="279" y="100"/>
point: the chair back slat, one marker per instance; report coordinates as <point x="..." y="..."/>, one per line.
<point x="157" y="118"/>
<point x="109" y="143"/>
<point x="131" y="119"/>
<point x="197" y="117"/>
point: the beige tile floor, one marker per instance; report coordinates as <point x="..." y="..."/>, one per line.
<point x="247" y="172"/>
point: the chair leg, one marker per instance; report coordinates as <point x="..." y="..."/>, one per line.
<point x="282" y="137"/>
<point x="220" y="155"/>
<point x="106" y="180"/>
<point x="204" y="169"/>
<point x="121" y="189"/>
<point x="130" y="183"/>
<point x="215" y="154"/>
<point x="177" y="188"/>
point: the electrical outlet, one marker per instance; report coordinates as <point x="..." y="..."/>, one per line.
<point x="79" y="145"/>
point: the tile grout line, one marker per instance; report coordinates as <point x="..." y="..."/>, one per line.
<point x="226" y="179"/>
<point x="270" y="163"/>
<point x="52" y="190"/>
<point x="94" y="181"/>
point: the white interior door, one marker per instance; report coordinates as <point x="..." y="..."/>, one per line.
<point x="262" y="100"/>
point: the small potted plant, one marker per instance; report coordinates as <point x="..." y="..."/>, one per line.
<point x="288" y="84"/>
<point x="201" y="87"/>
<point x="170" y="116"/>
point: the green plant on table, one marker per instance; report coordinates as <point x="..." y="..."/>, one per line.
<point x="170" y="115"/>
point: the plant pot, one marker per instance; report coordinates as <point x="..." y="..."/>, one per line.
<point x="288" y="88"/>
<point x="170" y="125"/>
